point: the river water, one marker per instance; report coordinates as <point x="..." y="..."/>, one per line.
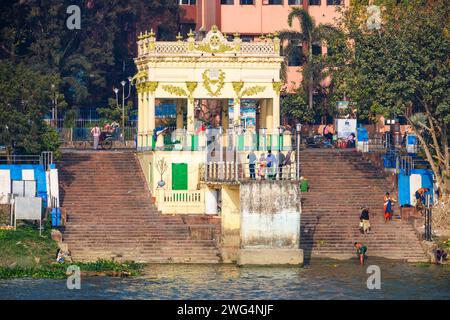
<point x="322" y="279"/>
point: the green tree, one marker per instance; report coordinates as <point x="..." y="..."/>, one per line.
<point x="314" y="71"/>
<point x="401" y="68"/>
<point x="25" y="97"/>
<point x="295" y="106"/>
<point x="92" y="60"/>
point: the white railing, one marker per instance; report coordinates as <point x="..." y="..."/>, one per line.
<point x="181" y="201"/>
<point x="233" y="172"/>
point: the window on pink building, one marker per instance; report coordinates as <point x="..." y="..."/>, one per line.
<point x="226" y="1"/>
<point x="275" y="2"/>
<point x="295" y="2"/>
<point x="314" y="2"/>
<point x="245" y="38"/>
<point x="316" y="49"/>
<point x="244" y="2"/>
<point x="334" y="2"/>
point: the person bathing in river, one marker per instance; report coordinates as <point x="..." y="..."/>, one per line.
<point x="360" y="251"/>
<point x="388" y="201"/>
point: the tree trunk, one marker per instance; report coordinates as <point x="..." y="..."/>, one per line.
<point x="8" y="155"/>
<point x="311" y="79"/>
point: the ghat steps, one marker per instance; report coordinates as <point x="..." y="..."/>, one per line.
<point x="111" y="216"/>
<point x="341" y="181"/>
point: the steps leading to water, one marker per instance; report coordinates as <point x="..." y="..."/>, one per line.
<point x="341" y="181"/>
<point x="110" y="215"/>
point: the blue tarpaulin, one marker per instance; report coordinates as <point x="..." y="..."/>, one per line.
<point x="362" y="134"/>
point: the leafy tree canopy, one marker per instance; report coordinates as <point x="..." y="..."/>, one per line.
<point x="400" y="68"/>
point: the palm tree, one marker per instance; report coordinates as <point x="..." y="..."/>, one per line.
<point x="309" y="34"/>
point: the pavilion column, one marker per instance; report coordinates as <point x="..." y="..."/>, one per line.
<point x="269" y="116"/>
<point x="262" y="113"/>
<point x="190" y="116"/>
<point x="151" y="113"/>
<point x="225" y="116"/>
<point x="140" y="119"/>
<point x="179" y="104"/>
<point x="276" y="112"/>
<point x="237" y="112"/>
<point x="149" y="118"/>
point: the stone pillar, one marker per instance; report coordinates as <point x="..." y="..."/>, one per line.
<point x="151" y="113"/>
<point x="237" y="112"/>
<point x="276" y="112"/>
<point x="225" y="116"/>
<point x="231" y="224"/>
<point x="262" y="114"/>
<point x="269" y="116"/>
<point x="179" y="104"/>
<point x="190" y="116"/>
<point x="140" y="119"/>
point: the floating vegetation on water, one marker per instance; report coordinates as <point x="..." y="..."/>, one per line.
<point x="25" y="254"/>
<point x="58" y="271"/>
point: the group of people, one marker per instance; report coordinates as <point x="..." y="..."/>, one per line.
<point x="328" y="133"/>
<point x="364" y="217"/>
<point x="99" y="134"/>
<point x="364" y="223"/>
<point x="270" y="166"/>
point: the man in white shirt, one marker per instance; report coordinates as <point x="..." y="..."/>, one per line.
<point x="95" y="131"/>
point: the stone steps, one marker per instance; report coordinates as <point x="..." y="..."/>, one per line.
<point x="340" y="183"/>
<point x="110" y="215"/>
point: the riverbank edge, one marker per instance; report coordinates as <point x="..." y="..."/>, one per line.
<point x="62" y="270"/>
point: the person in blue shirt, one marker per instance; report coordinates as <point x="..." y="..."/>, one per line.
<point x="271" y="165"/>
<point x="251" y="164"/>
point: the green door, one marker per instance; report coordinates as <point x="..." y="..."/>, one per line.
<point x="179" y="176"/>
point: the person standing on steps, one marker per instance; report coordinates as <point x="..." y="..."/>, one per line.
<point x="95" y="131"/>
<point x="388" y="201"/>
<point x="262" y="166"/>
<point x="360" y="251"/>
<point x="328" y="132"/>
<point x="271" y="165"/>
<point x="280" y="159"/>
<point x="251" y="164"/>
<point x="364" y="218"/>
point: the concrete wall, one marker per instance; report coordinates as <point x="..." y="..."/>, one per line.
<point x="231" y="224"/>
<point x="270" y="223"/>
<point x="270" y="214"/>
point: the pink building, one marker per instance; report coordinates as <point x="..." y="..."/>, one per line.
<point x="253" y="18"/>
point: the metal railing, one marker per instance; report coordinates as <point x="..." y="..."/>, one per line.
<point x="428" y="218"/>
<point x="404" y="164"/>
<point x="20" y="159"/>
<point x="234" y="172"/>
<point x="45" y="159"/>
<point x="84" y="134"/>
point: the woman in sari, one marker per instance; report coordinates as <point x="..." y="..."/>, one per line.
<point x="388" y="207"/>
<point x="262" y="166"/>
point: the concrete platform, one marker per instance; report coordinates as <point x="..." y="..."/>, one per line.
<point x="270" y="257"/>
